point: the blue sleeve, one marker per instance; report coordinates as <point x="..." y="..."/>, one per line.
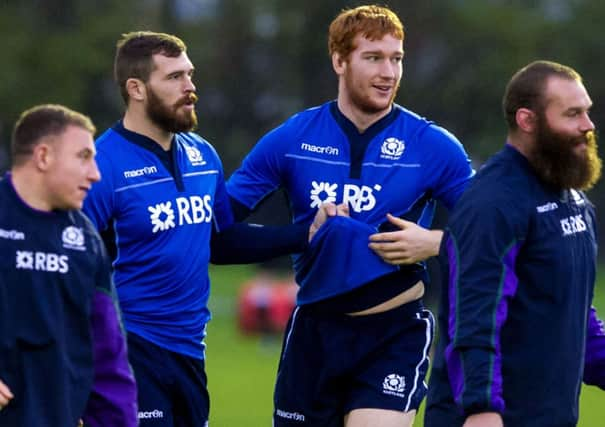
<point x="260" y="172"/>
<point x="245" y="243"/>
<point x="449" y="166"/>
<point x="223" y="214"/>
<point x="240" y="211"/>
<point x="99" y="203"/>
<point x="113" y="400"/>
<point x="594" y="361"/>
<point x="481" y="244"/>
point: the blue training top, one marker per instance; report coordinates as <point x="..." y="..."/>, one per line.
<point x="400" y="165"/>
<point x="515" y="314"/>
<point x="163" y="209"/>
<point x="63" y="350"/>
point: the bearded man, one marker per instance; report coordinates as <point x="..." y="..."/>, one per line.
<point x="518" y="332"/>
<point x="164" y="195"/>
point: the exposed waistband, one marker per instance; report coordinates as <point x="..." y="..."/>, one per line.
<point x="372" y="293"/>
<point x="405" y="310"/>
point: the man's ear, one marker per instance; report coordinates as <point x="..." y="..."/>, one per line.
<point x="136" y="89"/>
<point x="339" y="63"/>
<point x="42" y="156"/>
<point x="526" y="119"/>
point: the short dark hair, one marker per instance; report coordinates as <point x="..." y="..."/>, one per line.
<point x="42" y="121"/>
<point x="134" y="53"/>
<point x="372" y="21"/>
<point x="526" y="88"/>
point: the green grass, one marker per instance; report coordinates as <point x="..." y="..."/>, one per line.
<point x="241" y="369"/>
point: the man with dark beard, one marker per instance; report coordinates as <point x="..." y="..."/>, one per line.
<point x="164" y="194"/>
<point x="359" y="326"/>
<point x="518" y="332"/>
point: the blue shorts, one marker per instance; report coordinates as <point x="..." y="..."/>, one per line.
<point x="172" y="388"/>
<point x="334" y="363"/>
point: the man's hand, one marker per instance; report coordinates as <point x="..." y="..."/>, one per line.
<point x="325" y="211"/>
<point x="484" y="419"/>
<point x="408" y="245"/>
<point x="5" y="395"/>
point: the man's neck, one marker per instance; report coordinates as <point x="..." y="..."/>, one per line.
<point x="29" y="186"/>
<point x="140" y="123"/>
<point x="361" y="119"/>
<point x="522" y="143"/>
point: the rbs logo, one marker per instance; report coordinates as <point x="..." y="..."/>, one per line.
<point x="190" y="210"/>
<point x="358" y="198"/>
<point x="41" y="261"/>
<point x="572" y="225"/>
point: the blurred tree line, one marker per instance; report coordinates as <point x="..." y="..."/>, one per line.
<point x="259" y="61"/>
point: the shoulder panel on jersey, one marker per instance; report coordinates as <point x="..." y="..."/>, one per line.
<point x="288" y="131"/>
<point x="309" y="112"/>
<point x="446" y="165"/>
<point x="489" y="200"/>
<point x="435" y="139"/>
<point x="413" y="121"/>
<point x="209" y="153"/>
<point x="262" y="170"/>
<point x="100" y="200"/>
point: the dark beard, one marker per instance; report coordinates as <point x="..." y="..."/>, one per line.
<point x="167" y="118"/>
<point x="556" y="163"/>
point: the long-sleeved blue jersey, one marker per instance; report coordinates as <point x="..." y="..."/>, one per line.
<point x="515" y="314"/>
<point x="62" y="348"/>
<point x="167" y="209"/>
<point x="400" y="165"/>
<point x="163" y="214"/>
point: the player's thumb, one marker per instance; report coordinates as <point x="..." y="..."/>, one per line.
<point x="343" y="209"/>
<point x="400" y="222"/>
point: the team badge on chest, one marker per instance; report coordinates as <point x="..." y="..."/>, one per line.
<point x="392" y="149"/>
<point x="73" y="238"/>
<point x="195" y="156"/>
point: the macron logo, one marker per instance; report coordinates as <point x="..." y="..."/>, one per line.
<point x="145" y="415"/>
<point x="294" y="416"/>
<point x="147" y="170"/>
<point x="11" y="234"/>
<point x="547" y="207"/>
<point x="332" y="151"/>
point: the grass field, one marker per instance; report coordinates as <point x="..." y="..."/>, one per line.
<point x="241" y="369"/>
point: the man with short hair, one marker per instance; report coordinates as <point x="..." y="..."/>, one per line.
<point x="163" y="193"/>
<point x="356" y="349"/>
<point x="63" y="352"/>
<point x="518" y="333"/>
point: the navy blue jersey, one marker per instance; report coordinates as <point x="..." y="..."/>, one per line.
<point x="515" y="311"/>
<point x="63" y="353"/>
<point x="400" y="165"/>
<point x="163" y="213"/>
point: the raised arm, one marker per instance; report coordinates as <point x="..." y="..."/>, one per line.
<point x="244" y="243"/>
